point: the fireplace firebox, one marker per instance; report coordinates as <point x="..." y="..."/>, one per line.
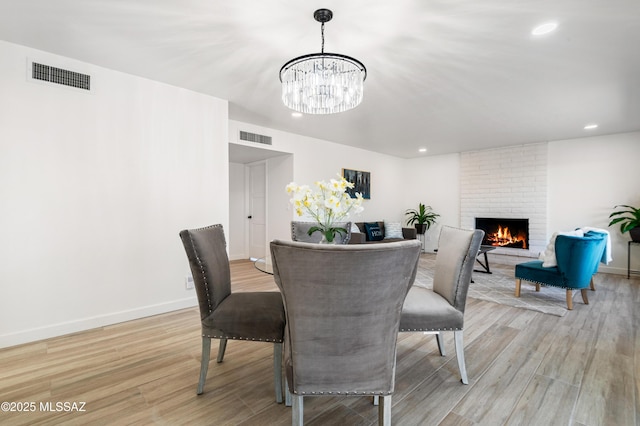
<point x="512" y="233"/>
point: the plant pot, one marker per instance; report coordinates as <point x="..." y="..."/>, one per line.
<point x="420" y="229"/>
<point x="635" y="234"/>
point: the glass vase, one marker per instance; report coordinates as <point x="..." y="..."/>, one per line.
<point x="323" y="239"/>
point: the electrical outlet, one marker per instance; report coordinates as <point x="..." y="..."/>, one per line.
<point x="188" y="282"/>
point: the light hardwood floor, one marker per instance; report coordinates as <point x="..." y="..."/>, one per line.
<point x="524" y="368"/>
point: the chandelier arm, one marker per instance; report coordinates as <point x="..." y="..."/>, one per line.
<point x="325" y="55"/>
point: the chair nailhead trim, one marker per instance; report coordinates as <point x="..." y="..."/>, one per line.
<point x="363" y="393"/>
<point x="552" y="285"/>
<point x="242" y="338"/>
<point x="204" y="276"/>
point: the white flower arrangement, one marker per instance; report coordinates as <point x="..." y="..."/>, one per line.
<point x="327" y="205"/>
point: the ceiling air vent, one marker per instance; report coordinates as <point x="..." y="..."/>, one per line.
<point x="254" y="137"/>
<point x="60" y="76"/>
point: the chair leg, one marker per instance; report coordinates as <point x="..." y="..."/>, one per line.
<point x="277" y="370"/>
<point x="440" y="341"/>
<point x="376" y="400"/>
<point x="585" y="299"/>
<point x="518" y="284"/>
<point x="287" y="395"/>
<point x="569" y="299"/>
<point x="204" y="362"/>
<point x="384" y="411"/>
<point x="221" y="349"/>
<point x="297" y="412"/>
<point x="460" y="355"/>
<point x="537" y="287"/>
<point x="592" y="285"/>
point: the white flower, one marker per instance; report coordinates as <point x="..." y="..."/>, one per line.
<point x="328" y="204"/>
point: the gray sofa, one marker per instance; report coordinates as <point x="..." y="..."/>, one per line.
<point x="361" y="237"/>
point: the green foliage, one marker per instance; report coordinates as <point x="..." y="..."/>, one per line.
<point x="329" y="233"/>
<point x="424" y="215"/>
<point x="628" y="219"/>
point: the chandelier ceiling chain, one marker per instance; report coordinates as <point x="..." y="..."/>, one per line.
<point x="323" y="16"/>
<point x="322" y="83"/>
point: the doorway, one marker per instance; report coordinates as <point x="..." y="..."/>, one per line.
<point x="257" y="209"/>
<point x="277" y="208"/>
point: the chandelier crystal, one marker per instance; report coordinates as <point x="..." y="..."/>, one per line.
<point x="322" y="83"/>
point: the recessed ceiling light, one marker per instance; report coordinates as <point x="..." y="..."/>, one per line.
<point x="544" y="28"/>
<point x="590" y="126"/>
<point x="296" y="114"/>
<point x="422" y="150"/>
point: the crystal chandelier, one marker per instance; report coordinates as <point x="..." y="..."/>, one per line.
<point x="322" y="83"/>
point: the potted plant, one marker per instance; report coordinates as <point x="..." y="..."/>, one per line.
<point x="628" y="219"/>
<point x="329" y="204"/>
<point x="423" y="217"/>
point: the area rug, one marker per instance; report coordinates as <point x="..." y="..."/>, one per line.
<point x="499" y="287"/>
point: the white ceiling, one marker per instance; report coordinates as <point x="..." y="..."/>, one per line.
<point x="447" y="75"/>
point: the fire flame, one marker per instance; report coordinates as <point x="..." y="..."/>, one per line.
<point x="504" y="238"/>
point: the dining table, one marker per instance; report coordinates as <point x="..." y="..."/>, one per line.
<point x="264" y="264"/>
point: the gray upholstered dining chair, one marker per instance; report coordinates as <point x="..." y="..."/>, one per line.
<point x="300" y="232"/>
<point x="442" y="309"/>
<point x="342" y="305"/>
<point x="224" y="315"/>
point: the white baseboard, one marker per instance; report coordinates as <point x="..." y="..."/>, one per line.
<point x="611" y="270"/>
<point x="60" y="329"/>
<point x="237" y="257"/>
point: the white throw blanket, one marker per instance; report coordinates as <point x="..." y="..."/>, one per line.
<point x="606" y="256"/>
<point x="548" y="256"/>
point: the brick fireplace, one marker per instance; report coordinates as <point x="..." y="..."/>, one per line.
<point x="507" y="183"/>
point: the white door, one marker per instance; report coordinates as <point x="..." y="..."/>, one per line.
<point x="257" y="208"/>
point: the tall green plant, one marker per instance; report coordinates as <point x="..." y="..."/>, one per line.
<point x="627" y="223"/>
<point x="424" y="215"/>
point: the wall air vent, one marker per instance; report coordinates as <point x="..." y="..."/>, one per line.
<point x="60" y="76"/>
<point x="254" y="137"/>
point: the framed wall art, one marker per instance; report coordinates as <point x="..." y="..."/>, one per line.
<point x="360" y="180"/>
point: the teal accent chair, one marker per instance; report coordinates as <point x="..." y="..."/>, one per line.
<point x="577" y="258"/>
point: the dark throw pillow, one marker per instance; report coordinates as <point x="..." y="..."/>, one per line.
<point x="374" y="233"/>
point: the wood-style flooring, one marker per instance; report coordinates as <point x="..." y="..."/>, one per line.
<point x="524" y="368"/>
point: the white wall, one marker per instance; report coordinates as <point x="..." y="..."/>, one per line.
<point x="587" y="178"/>
<point x="433" y="181"/>
<point x="316" y="159"/>
<point x="95" y="188"/>
<point x="279" y="174"/>
<point x="236" y="234"/>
